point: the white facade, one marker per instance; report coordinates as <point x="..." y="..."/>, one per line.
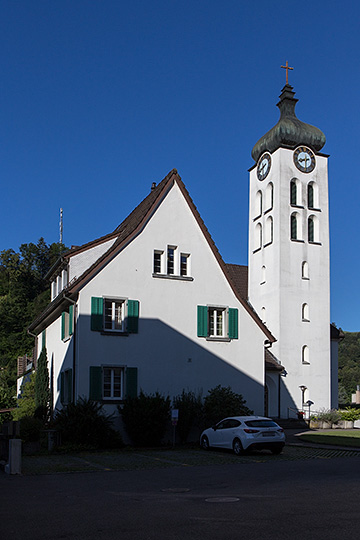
<point x="167" y="352"/>
<point x="289" y="277"/>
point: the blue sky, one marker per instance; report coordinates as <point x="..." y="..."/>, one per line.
<point x="100" y="98"/>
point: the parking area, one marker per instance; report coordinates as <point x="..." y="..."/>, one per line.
<point x="141" y="459"/>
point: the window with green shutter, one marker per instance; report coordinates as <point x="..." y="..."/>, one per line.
<point x="212" y="322"/>
<point x="114" y="315"/>
<point x="95" y="390"/>
<point x="233" y="324"/>
<point x="66" y="386"/>
<point x="96" y="314"/>
<point x="133" y="316"/>
<point x="67" y="323"/>
<point x="202" y="321"/>
<point x="131" y="382"/>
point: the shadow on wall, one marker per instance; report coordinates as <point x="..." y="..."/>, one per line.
<point x="164" y="360"/>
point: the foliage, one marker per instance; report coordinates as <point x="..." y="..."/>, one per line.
<point x="190" y="412"/>
<point x="349" y="362"/>
<point x="23" y="295"/>
<point x="30" y="428"/>
<point x="146" y="418"/>
<point x="86" y="424"/>
<point x="26" y="402"/>
<point x="42" y="388"/>
<point x="350" y="414"/>
<point x="222" y="402"/>
<point x="7" y="391"/>
<point x="343" y="396"/>
<point x="332" y="416"/>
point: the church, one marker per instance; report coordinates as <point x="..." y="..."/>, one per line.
<point x="152" y="305"/>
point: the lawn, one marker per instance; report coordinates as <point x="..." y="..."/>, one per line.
<point x="346" y="437"/>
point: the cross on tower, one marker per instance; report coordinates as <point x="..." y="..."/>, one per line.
<point x="287" y="71"/>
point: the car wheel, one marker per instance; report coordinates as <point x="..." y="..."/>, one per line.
<point x="205" y="443"/>
<point x="276" y="449"/>
<point x="237" y="447"/>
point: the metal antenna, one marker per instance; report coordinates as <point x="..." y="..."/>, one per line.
<point x="61" y="225"/>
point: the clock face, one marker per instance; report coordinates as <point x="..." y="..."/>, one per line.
<point x="263" y="167"/>
<point x="304" y="159"/>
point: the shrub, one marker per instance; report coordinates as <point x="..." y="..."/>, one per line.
<point x="190" y="412"/>
<point x="85" y="424"/>
<point x="332" y="416"/>
<point x="350" y="414"/>
<point x="26" y="405"/>
<point x="222" y="402"/>
<point x="30" y="429"/>
<point x="146" y="418"/>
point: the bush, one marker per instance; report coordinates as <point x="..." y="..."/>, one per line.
<point x="222" y="402"/>
<point x="26" y="405"/>
<point x="146" y="418"/>
<point x="332" y="416"/>
<point x="190" y="413"/>
<point x="350" y="414"/>
<point x="85" y="424"/>
<point x="30" y="429"/>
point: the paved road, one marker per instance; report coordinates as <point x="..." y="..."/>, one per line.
<point x="311" y="499"/>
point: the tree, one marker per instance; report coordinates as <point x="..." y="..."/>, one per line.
<point x="42" y="388"/>
<point x="222" y="402"/>
<point x="26" y="402"/>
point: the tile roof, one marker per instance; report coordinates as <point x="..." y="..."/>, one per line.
<point x="239" y="276"/>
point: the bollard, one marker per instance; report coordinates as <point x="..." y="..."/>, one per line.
<point x="14" y="465"/>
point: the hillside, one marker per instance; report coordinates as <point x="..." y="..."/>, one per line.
<point x="349" y="363"/>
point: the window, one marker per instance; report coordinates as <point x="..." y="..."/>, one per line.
<point x="112" y="383"/>
<point x="293" y="193"/>
<point x="258" y="204"/>
<point x="305" y="355"/>
<point x="310" y="196"/>
<point x="115" y="315"/>
<point x="263" y="314"/>
<point x="184" y="264"/>
<point x="66" y="386"/>
<point x="263" y="275"/>
<point x="67" y="323"/>
<point x="313" y="229"/>
<point x="305" y="314"/>
<point x="268" y="233"/>
<point x="258" y="237"/>
<point x="158" y="257"/>
<point x="217" y="322"/>
<point x="305" y="270"/>
<point x="170" y="260"/>
<point x="293" y="226"/>
<point x="269" y="197"/>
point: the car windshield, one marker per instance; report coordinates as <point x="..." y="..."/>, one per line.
<point x="260" y="423"/>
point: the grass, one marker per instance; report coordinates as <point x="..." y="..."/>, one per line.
<point x="348" y="437"/>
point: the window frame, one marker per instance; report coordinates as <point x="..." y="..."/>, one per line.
<point x="112" y="396"/>
<point x="115" y="304"/>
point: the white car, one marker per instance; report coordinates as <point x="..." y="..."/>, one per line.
<point x="242" y="433"/>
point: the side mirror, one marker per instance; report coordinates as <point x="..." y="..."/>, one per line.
<point x="214" y="427"/>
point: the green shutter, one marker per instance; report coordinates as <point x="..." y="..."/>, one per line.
<point x="202" y="321"/>
<point x="62" y="389"/>
<point x="95" y="390"/>
<point x="71" y="320"/>
<point x="233" y="323"/>
<point x="131" y="382"/>
<point x="133" y="316"/>
<point x="43" y="339"/>
<point x="96" y="314"/>
<point x="63" y="325"/>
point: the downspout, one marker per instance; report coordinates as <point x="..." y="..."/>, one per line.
<point x="35" y="348"/>
<point x="74" y="347"/>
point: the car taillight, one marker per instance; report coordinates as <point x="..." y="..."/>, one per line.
<point x="251" y="430"/>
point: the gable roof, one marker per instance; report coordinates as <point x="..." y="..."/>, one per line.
<point x="132" y="226"/>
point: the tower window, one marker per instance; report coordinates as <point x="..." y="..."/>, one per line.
<point x="269" y="197"/>
<point x="258" y="203"/>
<point x="311" y="232"/>
<point x="293" y="227"/>
<point x="305" y="314"/>
<point x="310" y="196"/>
<point x="293" y="192"/>
<point x="258" y="236"/>
<point x="268" y="231"/>
<point x="305" y="270"/>
<point x="305" y="357"/>
<point x="263" y="275"/>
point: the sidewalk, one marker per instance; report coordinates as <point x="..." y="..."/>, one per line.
<point x="292" y="439"/>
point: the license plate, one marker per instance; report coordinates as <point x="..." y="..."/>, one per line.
<point x="269" y="434"/>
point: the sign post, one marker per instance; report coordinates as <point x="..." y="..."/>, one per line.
<point x="174" y="421"/>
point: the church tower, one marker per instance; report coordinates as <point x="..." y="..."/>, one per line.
<point x="289" y="282"/>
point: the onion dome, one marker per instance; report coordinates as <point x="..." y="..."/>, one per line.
<point x="289" y="132"/>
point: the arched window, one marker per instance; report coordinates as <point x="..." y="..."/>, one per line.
<point x="258" y="236"/>
<point x="305" y="270"/>
<point x="313" y="229"/>
<point x="310" y="195"/>
<point x="263" y="314"/>
<point x="268" y="233"/>
<point x="294" y="192"/>
<point x="258" y="204"/>
<point x="263" y="274"/>
<point x="269" y="197"/>
<point x="293" y="227"/>
<point x="305" y="314"/>
<point x="305" y="355"/>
